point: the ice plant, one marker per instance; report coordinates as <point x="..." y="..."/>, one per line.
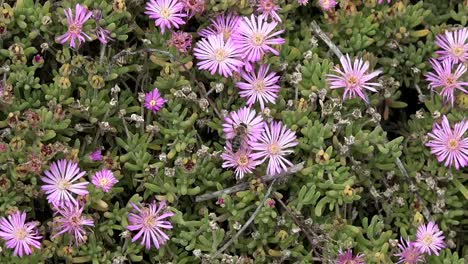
<point x="327" y="5"/>
<point x="193" y="7"/>
<point x="303" y="2"/>
<point x="446" y="79"/>
<point x="242" y="161"/>
<point x="102" y="34"/>
<point x="353" y="78"/>
<point x="261" y="87"/>
<point x="182" y="41"/>
<point x="217" y="55"/>
<point x="150" y="221"/>
<point x="72" y="221"/>
<point x="269" y="9"/>
<point x="104" y="180"/>
<point x="166" y="13"/>
<point x="154" y="101"/>
<point x="246" y="117"/>
<point x="223" y="24"/>
<point x="454" y="45"/>
<point x="75" y="35"/>
<point x="95" y="155"/>
<point x="255" y="36"/>
<point x="429" y="239"/>
<point x="408" y="253"/>
<point x="275" y="142"/>
<point x="381" y="1"/>
<point x="60" y="182"/>
<point x="449" y="145"/>
<point x="18" y="235"/>
<point x="347" y="257"/>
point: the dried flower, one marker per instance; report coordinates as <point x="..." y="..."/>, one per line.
<point x="193" y="7"/>
<point x="19" y="235"/>
<point x="182" y="41"/>
<point x="104" y="179"/>
<point x="75" y="35"/>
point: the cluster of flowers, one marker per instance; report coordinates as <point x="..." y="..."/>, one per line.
<point x="449" y="145"/>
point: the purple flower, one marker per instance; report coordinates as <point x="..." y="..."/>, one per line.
<point x="74" y="34"/>
<point x="19" y="235"/>
<point x="72" y="222"/>
<point x="242" y="161"/>
<point x="429" y="239"/>
<point x="225" y="25"/>
<point x="275" y="143"/>
<point x="449" y="145"/>
<point x="101" y="33"/>
<point x="408" y="253"/>
<point x="327" y="5"/>
<point x="60" y="182"/>
<point x="454" y="45"/>
<point x="154" y="101"/>
<point x="149" y="222"/>
<point x="353" y="79"/>
<point x="216" y="54"/>
<point x="261" y="87"/>
<point x="445" y="79"/>
<point x="248" y="118"/>
<point x="95" y="155"/>
<point x="182" y="41"/>
<point x="166" y="13"/>
<point x="104" y="179"/>
<point x="255" y="36"/>
<point x="269" y="8"/>
<point x="348" y="258"/>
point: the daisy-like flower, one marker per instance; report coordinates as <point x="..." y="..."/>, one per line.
<point x="408" y="253"/>
<point x="166" y="13"/>
<point x="95" y="155"/>
<point x="104" y="180"/>
<point x="61" y="181"/>
<point x="381" y="1"/>
<point x="75" y="35"/>
<point x="447" y="80"/>
<point x="327" y="5"/>
<point x="72" y="221"/>
<point x="275" y="142"/>
<point x="303" y="2"/>
<point x="454" y="45"/>
<point x="154" y="101"/>
<point x="255" y="36"/>
<point x="449" y="145"/>
<point x="222" y="24"/>
<point x="261" y="87"/>
<point x="102" y="34"/>
<point x="216" y="54"/>
<point x="19" y="235"/>
<point x="353" y="79"/>
<point x="246" y="117"/>
<point x="347" y="257"/>
<point x="269" y="9"/>
<point x="150" y="221"/>
<point x="242" y="161"/>
<point x="429" y="239"/>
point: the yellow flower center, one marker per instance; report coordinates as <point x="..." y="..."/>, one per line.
<point x="352" y="81"/>
<point x="220" y="55"/>
<point x="452" y="144"/>
<point x="152" y="102"/>
<point x="257" y="39"/>
<point x="20" y="234"/>
<point x="165" y="13"/>
<point x="325" y="3"/>
<point x="73" y="28"/>
<point x="427" y="239"/>
<point x="226" y="33"/>
<point x="149" y="221"/>
<point x="243" y="160"/>
<point x="450" y="80"/>
<point x="103" y="181"/>
<point x="63" y="185"/>
<point x="457" y="51"/>
<point x="259" y="86"/>
<point x="274" y="148"/>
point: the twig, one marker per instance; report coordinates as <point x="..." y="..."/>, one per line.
<point x="318" y="31"/>
<point x="245" y="185"/>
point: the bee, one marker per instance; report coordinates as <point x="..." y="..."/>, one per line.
<point x="238" y="140"/>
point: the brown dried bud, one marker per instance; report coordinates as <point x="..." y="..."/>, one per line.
<point x="32" y="118"/>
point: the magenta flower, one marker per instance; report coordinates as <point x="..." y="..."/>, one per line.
<point x="446" y="80"/>
<point x="149" y="222"/>
<point x="104" y="180"/>
<point x="353" y="79"/>
<point x="216" y="54"/>
<point x="449" y="145"/>
<point x="154" y="101"/>
<point x="242" y="161"/>
<point x="408" y="253"/>
<point x="225" y="25"/>
<point x="261" y="87"/>
<point x="60" y="182"/>
<point x="166" y="13"/>
<point x="269" y="9"/>
<point x="429" y="239"/>
<point x="327" y="5"/>
<point x="454" y="45"/>
<point x="19" y="235"/>
<point x="381" y="1"/>
<point x="275" y="143"/>
<point x="102" y="34"/>
<point x="72" y="222"/>
<point x="75" y="35"/>
<point x="347" y="258"/>
<point x="95" y="155"/>
<point x="248" y="118"/>
<point x="255" y="36"/>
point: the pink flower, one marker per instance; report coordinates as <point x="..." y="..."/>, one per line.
<point x="95" y="155"/>
<point x="19" y="235"/>
<point x="74" y="34"/>
<point x="60" y="182"/>
<point x="353" y="79"/>
<point x="303" y="2"/>
<point x="149" y="222"/>
<point x="154" y="101"/>
<point x="182" y="41"/>
<point x="327" y="5"/>
<point x="447" y="80"/>
<point x="381" y="1"/>
<point x="408" y="253"/>
<point x="193" y="7"/>
<point x="255" y="36"/>
<point x="72" y="222"/>
<point x="166" y="13"/>
<point x="275" y="142"/>
<point x="248" y="118"/>
<point x="261" y="87"/>
<point x="269" y="8"/>
<point x="429" y="239"/>
<point x="225" y="25"/>
<point x="454" y="45"/>
<point x="449" y="145"/>
<point x="347" y="258"/>
<point x="101" y="33"/>
<point x="104" y="179"/>
<point x="242" y="161"/>
<point x="216" y="54"/>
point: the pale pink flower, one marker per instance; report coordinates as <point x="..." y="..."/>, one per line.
<point x="327" y="5"/>
<point x="454" y="45"/>
<point x="408" y="253"/>
<point x="222" y="24"/>
<point x="248" y="118"/>
<point x="303" y="2"/>
<point x="193" y="7"/>
<point x="347" y="257"/>
<point x="75" y="35"/>
<point x="104" y="180"/>
<point x="72" y="221"/>
<point x="429" y="239"/>
<point x="166" y="13"/>
<point x="269" y="9"/>
<point x="242" y="161"/>
<point x="19" y="235"/>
